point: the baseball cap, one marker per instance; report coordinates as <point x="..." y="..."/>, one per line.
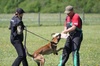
<point x="20" y="10"/>
<point x="68" y="9"/>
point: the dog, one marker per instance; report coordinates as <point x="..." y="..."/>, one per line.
<point x="49" y="48"/>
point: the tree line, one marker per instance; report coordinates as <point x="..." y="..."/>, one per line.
<point x="49" y="6"/>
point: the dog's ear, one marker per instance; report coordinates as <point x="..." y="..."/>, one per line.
<point x="52" y="34"/>
<point x="55" y="35"/>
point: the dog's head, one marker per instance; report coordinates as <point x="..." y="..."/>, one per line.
<point x="56" y="37"/>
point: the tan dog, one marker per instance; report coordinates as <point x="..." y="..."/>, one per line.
<point x="49" y="48"/>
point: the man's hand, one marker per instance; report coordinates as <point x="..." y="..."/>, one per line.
<point x="64" y="32"/>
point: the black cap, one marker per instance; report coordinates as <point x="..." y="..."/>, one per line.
<point x="20" y="10"/>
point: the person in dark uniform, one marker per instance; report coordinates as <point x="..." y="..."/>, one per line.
<point x="16" y="37"/>
<point x="73" y="26"/>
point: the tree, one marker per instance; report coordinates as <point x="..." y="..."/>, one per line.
<point x="49" y="6"/>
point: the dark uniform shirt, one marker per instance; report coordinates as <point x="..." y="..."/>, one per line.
<point x="15" y="21"/>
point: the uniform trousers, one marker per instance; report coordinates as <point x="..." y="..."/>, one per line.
<point x="72" y="44"/>
<point x="21" y="53"/>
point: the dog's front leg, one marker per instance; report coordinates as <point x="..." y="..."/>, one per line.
<point x="59" y="49"/>
<point x="55" y="51"/>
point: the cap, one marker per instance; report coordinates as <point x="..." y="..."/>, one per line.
<point x="68" y="9"/>
<point x="20" y="10"/>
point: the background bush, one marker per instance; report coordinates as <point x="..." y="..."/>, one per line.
<point x="49" y="6"/>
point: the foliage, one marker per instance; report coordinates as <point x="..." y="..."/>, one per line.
<point x="49" y="6"/>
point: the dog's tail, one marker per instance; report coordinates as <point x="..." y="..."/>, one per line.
<point x="30" y="55"/>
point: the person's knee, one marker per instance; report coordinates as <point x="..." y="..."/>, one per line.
<point x="22" y="56"/>
<point x="76" y="52"/>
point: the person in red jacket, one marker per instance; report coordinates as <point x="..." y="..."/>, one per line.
<point x="73" y="26"/>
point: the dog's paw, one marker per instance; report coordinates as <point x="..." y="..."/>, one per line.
<point x="56" y="53"/>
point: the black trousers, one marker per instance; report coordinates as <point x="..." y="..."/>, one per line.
<point x="21" y="53"/>
<point x="72" y="45"/>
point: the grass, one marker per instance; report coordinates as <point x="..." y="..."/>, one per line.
<point x="89" y="51"/>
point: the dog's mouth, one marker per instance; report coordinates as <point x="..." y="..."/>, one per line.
<point x="59" y="39"/>
<point x="56" y="37"/>
<point x="56" y="40"/>
<point x="53" y="43"/>
<point x="55" y="34"/>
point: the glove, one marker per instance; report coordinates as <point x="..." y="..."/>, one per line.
<point x="19" y="29"/>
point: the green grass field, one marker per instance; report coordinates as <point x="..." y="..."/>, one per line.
<point x="89" y="51"/>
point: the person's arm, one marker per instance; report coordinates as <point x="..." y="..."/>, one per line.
<point x="74" y="24"/>
<point x="65" y="27"/>
<point x="69" y="29"/>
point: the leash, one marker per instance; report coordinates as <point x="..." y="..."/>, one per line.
<point x="26" y="37"/>
<point x="25" y="41"/>
<point x="36" y="35"/>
